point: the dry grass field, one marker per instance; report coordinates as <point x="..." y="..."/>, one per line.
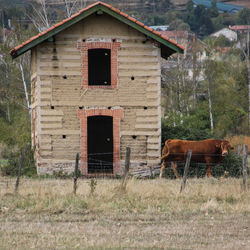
<point x="150" y="214"/>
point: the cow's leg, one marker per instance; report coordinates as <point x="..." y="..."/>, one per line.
<point x="163" y="166"/>
<point x="174" y="166"/>
<point x="209" y="170"/>
<point x="209" y="166"/>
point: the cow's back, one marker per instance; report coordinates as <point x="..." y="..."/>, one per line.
<point x="201" y="150"/>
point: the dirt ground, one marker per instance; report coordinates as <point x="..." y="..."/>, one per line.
<point x="149" y="214"/>
<point x="156" y="231"/>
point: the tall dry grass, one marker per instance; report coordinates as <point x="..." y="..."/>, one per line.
<point x="149" y="214"/>
<point x="141" y="196"/>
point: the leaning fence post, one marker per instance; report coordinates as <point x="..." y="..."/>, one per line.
<point x="127" y="164"/>
<point x="76" y="172"/>
<point x="239" y="149"/>
<point x="183" y="182"/>
<point x="244" y="167"/>
<point x="21" y="166"/>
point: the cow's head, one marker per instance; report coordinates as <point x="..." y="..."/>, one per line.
<point x="224" y="147"/>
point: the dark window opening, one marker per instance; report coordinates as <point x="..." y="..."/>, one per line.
<point x="99" y="67"/>
<point x="64" y="136"/>
<point x="52" y="107"/>
<point x="100" y="144"/>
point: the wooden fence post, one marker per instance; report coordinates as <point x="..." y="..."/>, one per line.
<point x="183" y="182"/>
<point x="76" y="172"/>
<point x="239" y="149"/>
<point x="244" y="167"/>
<point x="127" y="164"/>
<point x="21" y="166"/>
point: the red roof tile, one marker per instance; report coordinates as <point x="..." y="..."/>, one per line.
<point x="13" y="51"/>
<point x="240" y="27"/>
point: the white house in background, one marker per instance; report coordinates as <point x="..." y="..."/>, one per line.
<point x="226" y="32"/>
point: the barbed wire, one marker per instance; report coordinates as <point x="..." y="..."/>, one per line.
<point x="171" y="154"/>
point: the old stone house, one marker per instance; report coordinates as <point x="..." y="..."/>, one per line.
<point x="96" y="80"/>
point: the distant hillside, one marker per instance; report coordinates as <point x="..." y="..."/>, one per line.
<point x="244" y="3"/>
<point x="159" y="6"/>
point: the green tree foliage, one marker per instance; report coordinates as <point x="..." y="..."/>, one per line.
<point x="14" y="113"/>
<point x="199" y="20"/>
<point x="243" y="16"/>
<point x="224" y="75"/>
<point x="231" y="166"/>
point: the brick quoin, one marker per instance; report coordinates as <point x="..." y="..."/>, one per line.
<point x="83" y="115"/>
<point x="85" y="46"/>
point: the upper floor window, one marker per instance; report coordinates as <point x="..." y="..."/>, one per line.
<point x="99" y="68"/>
<point x="99" y="63"/>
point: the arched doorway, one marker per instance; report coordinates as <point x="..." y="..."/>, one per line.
<point x="100" y="144"/>
<point x="107" y="119"/>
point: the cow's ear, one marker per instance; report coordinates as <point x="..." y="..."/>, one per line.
<point x="217" y="145"/>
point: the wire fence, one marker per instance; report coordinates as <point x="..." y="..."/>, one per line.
<point x="101" y="165"/>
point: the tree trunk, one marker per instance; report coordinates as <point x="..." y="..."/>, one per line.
<point x="194" y="69"/>
<point x="210" y="109"/>
<point x="8" y="110"/>
<point x="25" y="89"/>
<point x="248" y="76"/>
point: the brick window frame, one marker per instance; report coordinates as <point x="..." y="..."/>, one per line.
<point x="113" y="45"/>
<point x="83" y="114"/>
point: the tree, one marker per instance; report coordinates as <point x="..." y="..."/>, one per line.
<point x="43" y="15"/>
<point x="214" y="98"/>
<point x="243" y="16"/>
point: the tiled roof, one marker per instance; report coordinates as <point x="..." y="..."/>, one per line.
<point x="35" y="40"/>
<point x="239" y="27"/>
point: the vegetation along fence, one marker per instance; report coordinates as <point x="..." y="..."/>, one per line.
<point x="234" y="165"/>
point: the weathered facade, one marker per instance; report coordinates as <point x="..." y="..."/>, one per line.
<point x="96" y="90"/>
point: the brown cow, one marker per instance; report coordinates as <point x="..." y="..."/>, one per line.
<point x="208" y="151"/>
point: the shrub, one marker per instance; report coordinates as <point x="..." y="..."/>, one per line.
<point x="231" y="165"/>
<point x="183" y="132"/>
<point x="12" y="161"/>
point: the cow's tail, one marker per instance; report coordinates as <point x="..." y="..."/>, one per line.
<point x="168" y="151"/>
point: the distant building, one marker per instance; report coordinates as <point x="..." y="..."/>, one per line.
<point x="160" y="27"/>
<point x="222" y="7"/>
<point x="227" y="33"/>
<point x="240" y="28"/>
